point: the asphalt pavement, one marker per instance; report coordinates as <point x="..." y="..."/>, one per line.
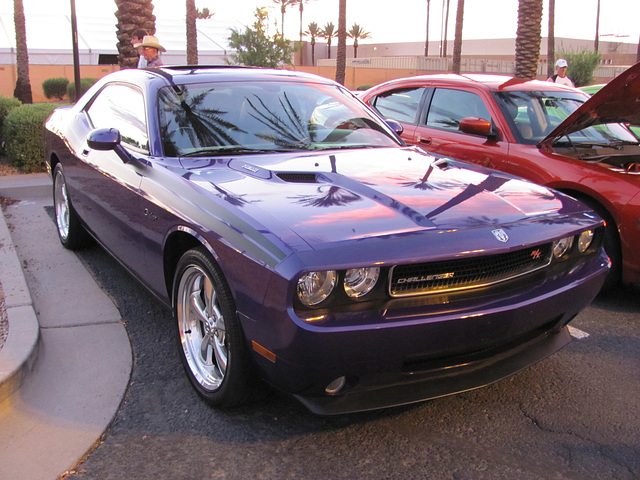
<point x="67" y="359"/>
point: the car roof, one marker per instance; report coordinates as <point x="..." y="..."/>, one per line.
<point x="483" y="81"/>
<point x="185" y="74"/>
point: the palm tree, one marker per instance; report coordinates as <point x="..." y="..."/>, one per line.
<point x="313" y="31"/>
<point x="457" y="41"/>
<point x="446" y="24"/>
<point x="528" y="38"/>
<point x="341" y="55"/>
<point x="23" y="86"/>
<point x="284" y="4"/>
<point x="301" y="5"/>
<point x="192" y="34"/>
<point x="328" y="32"/>
<point x="426" y="42"/>
<point x="132" y="15"/>
<point x="357" y="32"/>
<point x="551" y="39"/>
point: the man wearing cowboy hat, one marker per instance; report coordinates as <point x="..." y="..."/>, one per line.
<point x="150" y="50"/>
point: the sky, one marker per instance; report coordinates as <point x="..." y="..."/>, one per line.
<point x="398" y="20"/>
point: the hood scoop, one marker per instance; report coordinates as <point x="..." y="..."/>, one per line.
<point x="297" y="177"/>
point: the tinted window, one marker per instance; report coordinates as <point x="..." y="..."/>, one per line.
<point x="534" y="114"/>
<point x="276" y="116"/>
<point x="448" y="107"/>
<point x="121" y="107"/>
<point x="401" y="105"/>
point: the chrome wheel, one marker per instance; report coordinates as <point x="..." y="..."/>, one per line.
<point x="202" y="328"/>
<point x="71" y="232"/>
<point x="61" y="204"/>
<point x="212" y="345"/>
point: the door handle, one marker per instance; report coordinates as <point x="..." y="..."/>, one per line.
<point x="425" y="140"/>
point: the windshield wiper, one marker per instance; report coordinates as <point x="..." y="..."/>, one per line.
<point x="228" y="150"/>
<point x="617" y="145"/>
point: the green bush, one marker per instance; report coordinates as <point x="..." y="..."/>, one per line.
<point x="85" y="84"/>
<point x="55" y="87"/>
<point x="22" y="131"/>
<point x="6" y="105"/>
<point x="582" y="64"/>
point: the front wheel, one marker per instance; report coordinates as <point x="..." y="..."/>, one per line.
<point x="71" y="233"/>
<point x="212" y="344"/>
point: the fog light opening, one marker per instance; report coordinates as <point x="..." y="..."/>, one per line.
<point x="336" y="386"/>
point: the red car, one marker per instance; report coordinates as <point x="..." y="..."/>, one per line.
<point x="552" y="135"/>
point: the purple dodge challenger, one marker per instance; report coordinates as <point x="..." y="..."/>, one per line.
<point x="299" y="242"/>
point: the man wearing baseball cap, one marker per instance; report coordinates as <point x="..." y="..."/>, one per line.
<point x="561" y="74"/>
<point x="150" y="50"/>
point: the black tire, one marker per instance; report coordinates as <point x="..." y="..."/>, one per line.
<point x="71" y="233"/>
<point x="212" y="344"/>
<point x="611" y="245"/>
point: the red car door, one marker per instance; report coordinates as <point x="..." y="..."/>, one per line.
<point x="438" y="129"/>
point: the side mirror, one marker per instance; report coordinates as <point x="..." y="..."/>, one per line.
<point x="105" y="139"/>
<point x="477" y="126"/>
<point x="394" y="125"/>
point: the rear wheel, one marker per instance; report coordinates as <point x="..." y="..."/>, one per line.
<point x="71" y="233"/>
<point x="212" y="344"/>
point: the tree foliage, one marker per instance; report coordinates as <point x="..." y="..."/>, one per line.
<point x="356" y="32"/>
<point x="328" y="32"/>
<point x="313" y="31"/>
<point x="255" y="47"/>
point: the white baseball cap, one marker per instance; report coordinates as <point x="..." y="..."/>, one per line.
<point x="562" y="63"/>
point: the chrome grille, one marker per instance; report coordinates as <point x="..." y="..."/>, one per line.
<point x="465" y="273"/>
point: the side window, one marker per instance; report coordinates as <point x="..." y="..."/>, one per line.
<point x="401" y="105"/>
<point x="122" y="107"/>
<point x="449" y="106"/>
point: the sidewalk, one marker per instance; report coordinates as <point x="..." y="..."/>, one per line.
<point x="66" y="363"/>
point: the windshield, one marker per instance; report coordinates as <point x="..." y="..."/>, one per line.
<point x="241" y="117"/>
<point x="534" y="114"/>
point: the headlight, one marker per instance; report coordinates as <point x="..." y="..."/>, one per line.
<point x="584" y="240"/>
<point x="562" y="246"/>
<point x="360" y="281"/>
<point x="314" y="287"/>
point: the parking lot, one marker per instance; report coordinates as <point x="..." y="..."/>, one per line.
<point x="573" y="416"/>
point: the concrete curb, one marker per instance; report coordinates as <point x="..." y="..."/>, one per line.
<point x="19" y="353"/>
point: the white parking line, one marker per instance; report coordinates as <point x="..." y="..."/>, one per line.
<point x="577" y="333"/>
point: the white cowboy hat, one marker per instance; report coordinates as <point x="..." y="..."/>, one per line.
<point x="152" y="42"/>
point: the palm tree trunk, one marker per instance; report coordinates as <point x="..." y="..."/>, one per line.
<point x="192" y="34"/>
<point x="426" y="42"/>
<point x="446" y="24"/>
<point x="341" y="56"/>
<point x="551" y="39"/>
<point x="528" y="38"/>
<point x="457" y="41"/>
<point x="301" y="9"/>
<point x="132" y="15"/>
<point x="23" y="87"/>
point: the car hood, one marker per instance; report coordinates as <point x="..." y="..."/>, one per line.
<point x="616" y="102"/>
<point x="352" y="194"/>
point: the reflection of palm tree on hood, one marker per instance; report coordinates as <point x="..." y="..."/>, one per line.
<point x="333" y="196"/>
<point x="489" y="184"/>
